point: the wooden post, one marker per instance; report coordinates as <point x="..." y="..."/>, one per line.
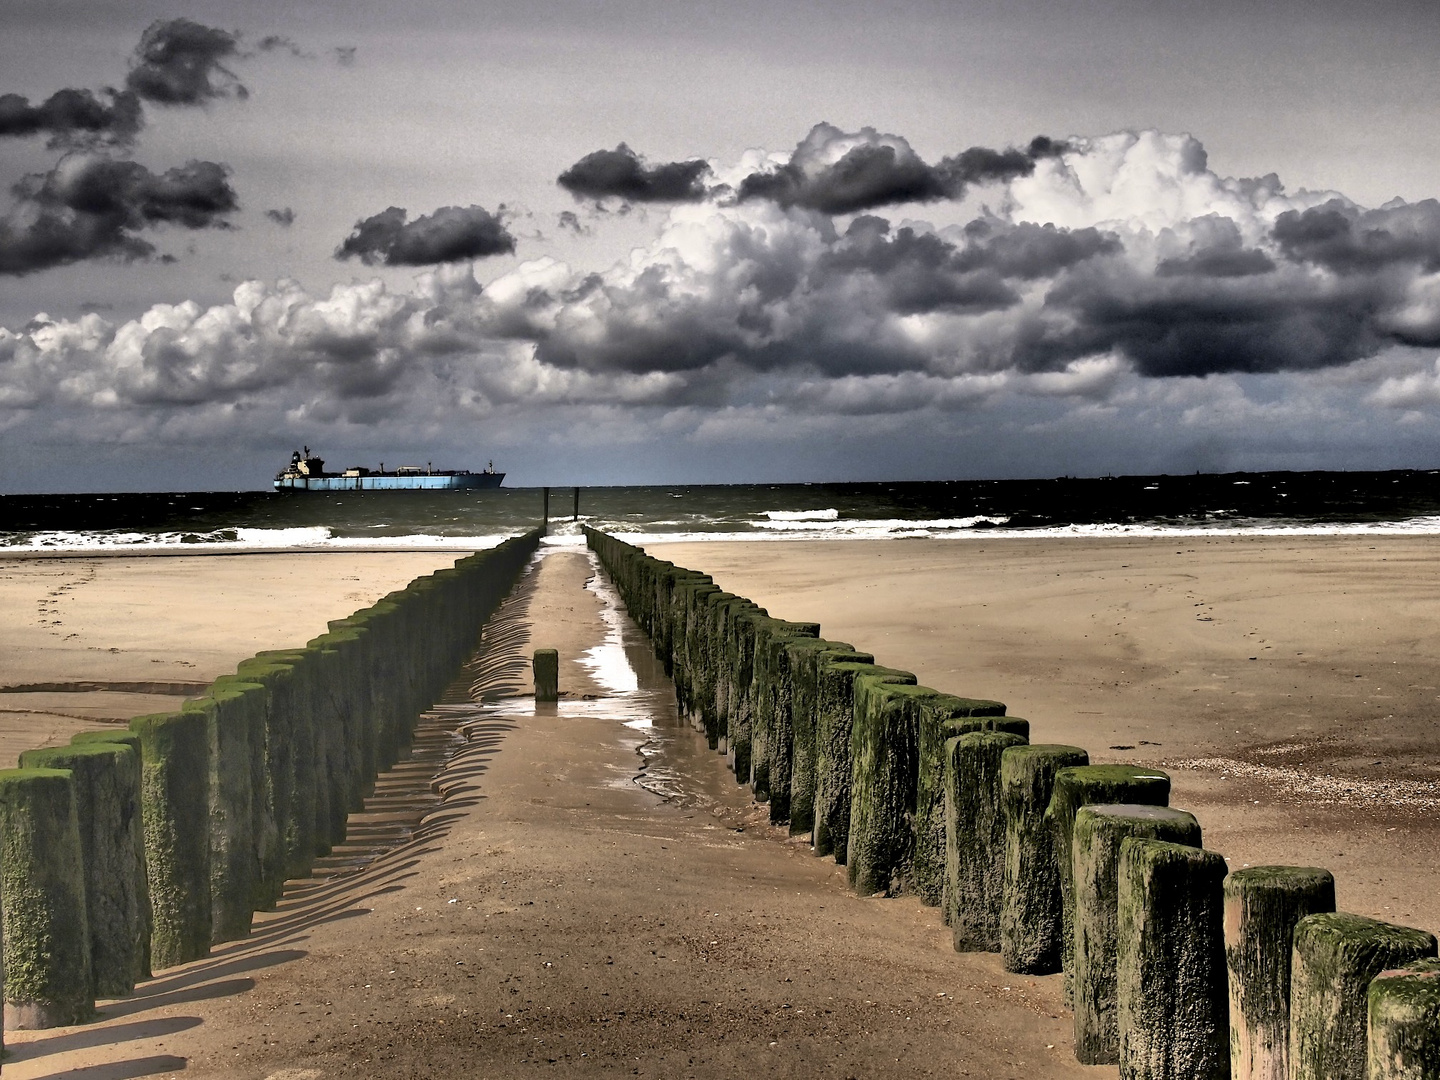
<point x="545" y="512"/>
<point x="576" y="515"/>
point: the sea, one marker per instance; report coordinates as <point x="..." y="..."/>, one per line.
<point x="1365" y="503"/>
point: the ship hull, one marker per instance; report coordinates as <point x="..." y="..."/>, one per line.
<point x="451" y="482"/>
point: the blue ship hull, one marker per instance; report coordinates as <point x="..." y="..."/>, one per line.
<point x="432" y="482"/>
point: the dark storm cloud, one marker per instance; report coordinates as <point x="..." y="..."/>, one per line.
<point x="71" y="117"/>
<point x="91" y="207"/>
<point x="570" y="221"/>
<point x="621" y="174"/>
<point x="450" y="234"/>
<point x="284" y="217"/>
<point x="1346" y="239"/>
<point x="874" y="170"/>
<point x="1216" y="250"/>
<point x="278" y="43"/>
<point x="919" y="272"/>
<point x="180" y="62"/>
<point x="1194" y="326"/>
<point x="1029" y="251"/>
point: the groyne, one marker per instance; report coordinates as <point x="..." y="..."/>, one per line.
<point x="1175" y="968"/>
<point x="135" y="850"/>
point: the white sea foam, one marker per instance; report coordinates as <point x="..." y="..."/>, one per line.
<point x="316" y="537"/>
<point x="963" y="529"/>
<point x="802" y="515"/>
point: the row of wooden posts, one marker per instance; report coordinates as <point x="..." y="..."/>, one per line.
<point x="1175" y="968"/>
<point x="134" y="850"/>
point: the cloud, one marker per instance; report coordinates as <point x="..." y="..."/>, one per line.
<point x="279" y="43"/>
<point x="284" y="217"/>
<point x="345" y="55"/>
<point x="92" y="206"/>
<point x="450" y="234"/>
<point x="74" y="117"/>
<point x="620" y="173"/>
<point x="180" y="62"/>
<point x="1110" y="267"/>
<point x="838" y="172"/>
<point x="1348" y="240"/>
<point x="1419" y="390"/>
<point x="570" y="221"/>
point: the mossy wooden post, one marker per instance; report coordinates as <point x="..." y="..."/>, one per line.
<point x="1031" y="916"/>
<point x="175" y="806"/>
<point x="1404" y="1023"/>
<point x="547" y="675"/>
<point x="715" y="694"/>
<point x="770" y="735"/>
<point x="1335" y="957"/>
<point x="975" y="838"/>
<point x="940" y="717"/>
<point x="335" y="771"/>
<point x="1095" y="857"/>
<point x="1262" y="906"/>
<point x="284" y="812"/>
<point x="234" y="714"/>
<point x="776" y="696"/>
<point x="46" y="939"/>
<point x="884" y="749"/>
<point x="742" y="726"/>
<point x="806" y="660"/>
<point x="132" y="842"/>
<point x="1082" y="786"/>
<point x="834" y="764"/>
<point x="106" y="779"/>
<point x="1170" y="996"/>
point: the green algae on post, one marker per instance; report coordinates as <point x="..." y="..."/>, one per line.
<point x="1031" y="916"/>
<point x="175" y="805"/>
<point x="1170" y="963"/>
<point x="834" y="732"/>
<point x="130" y="839"/>
<point x="48" y="981"/>
<point x="1404" y="1023"/>
<point x="884" y="748"/>
<point x="106" y="778"/>
<point x="1081" y="786"/>
<point x="939" y="717"/>
<point x="1095" y="856"/>
<point x="1262" y="906"/>
<point x="975" y="838"/>
<point x="1335" y="956"/>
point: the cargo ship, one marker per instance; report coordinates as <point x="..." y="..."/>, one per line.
<point x="307" y="473"/>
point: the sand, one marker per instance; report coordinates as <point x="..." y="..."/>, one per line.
<point x="86" y="641"/>
<point x="555" y="912"/>
<point x="1291" y="685"/>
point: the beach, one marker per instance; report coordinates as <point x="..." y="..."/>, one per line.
<point x="1289" y="684"/>
<point x="91" y="640"/>
<point x="555" y="912"/>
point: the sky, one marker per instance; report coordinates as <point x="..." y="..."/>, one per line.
<point x="632" y="241"/>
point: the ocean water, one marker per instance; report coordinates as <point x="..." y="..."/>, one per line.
<point x="1406" y="501"/>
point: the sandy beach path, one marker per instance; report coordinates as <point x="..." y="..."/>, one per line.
<point x="1289" y="684"/>
<point x="555" y="914"/>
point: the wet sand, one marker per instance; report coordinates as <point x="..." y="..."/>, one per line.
<point x="1291" y="685"/>
<point x="555" y="913"/>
